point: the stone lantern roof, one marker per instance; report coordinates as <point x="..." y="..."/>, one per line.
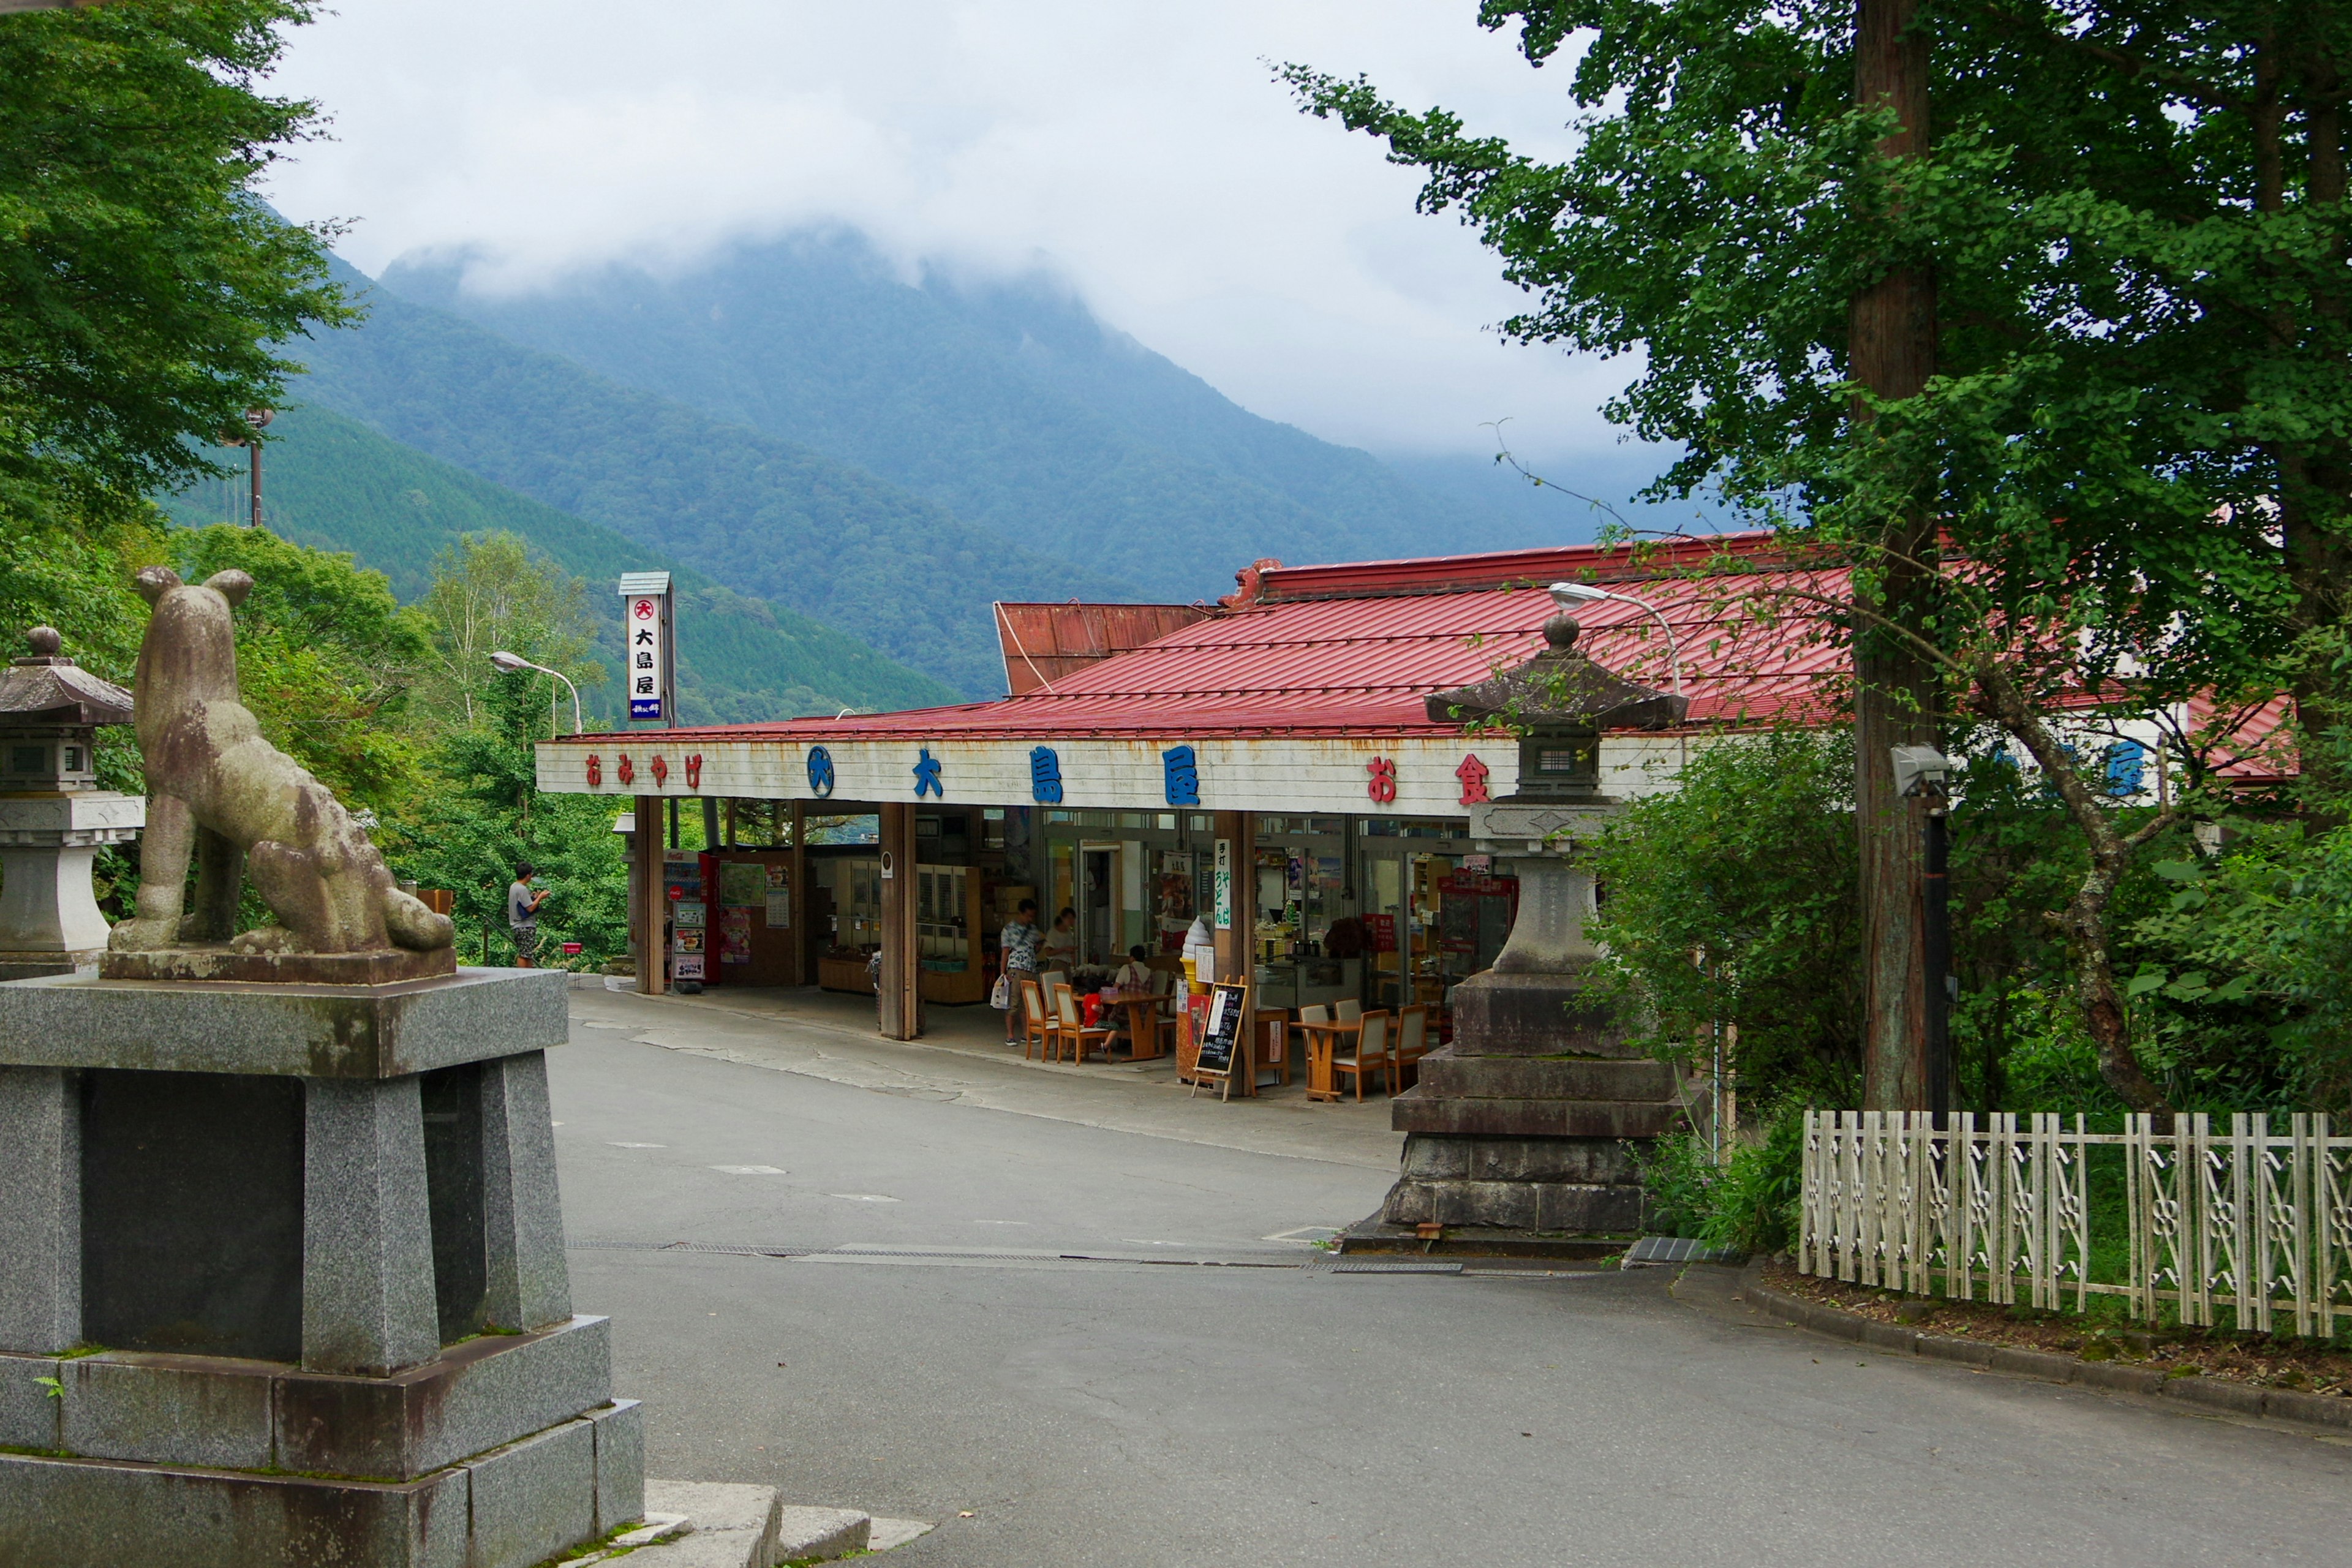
<point x="48" y="688"/>
<point x="1559" y="689"/>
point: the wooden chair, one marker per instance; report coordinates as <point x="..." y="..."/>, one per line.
<point x="1051" y="978"/>
<point x="1347" y="1010"/>
<point x="1070" y="1031"/>
<point x="1412" y="1041"/>
<point x="1037" y="1023"/>
<point x="1368" y="1052"/>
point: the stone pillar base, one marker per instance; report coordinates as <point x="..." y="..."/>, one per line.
<point x="1519" y="1128"/>
<point x="500" y="1453"/>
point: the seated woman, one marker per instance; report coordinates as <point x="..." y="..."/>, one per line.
<point x="1134" y="976"/>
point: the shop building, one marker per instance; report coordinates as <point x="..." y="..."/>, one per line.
<point x="1271" y="761"/>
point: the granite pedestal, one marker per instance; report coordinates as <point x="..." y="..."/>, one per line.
<point x="316" y="1233"/>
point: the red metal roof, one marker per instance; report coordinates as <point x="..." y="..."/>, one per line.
<point x="1356" y="648"/>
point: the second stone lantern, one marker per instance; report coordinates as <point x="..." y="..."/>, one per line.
<point x="1518" y="1127"/>
<point x="54" y="818"/>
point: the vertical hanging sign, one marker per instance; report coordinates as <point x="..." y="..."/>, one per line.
<point x="1225" y="884"/>
<point x="648" y="651"/>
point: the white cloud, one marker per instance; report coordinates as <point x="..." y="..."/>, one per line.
<point x="1144" y="153"/>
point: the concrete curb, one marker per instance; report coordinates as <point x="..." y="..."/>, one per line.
<point x="2332" y="1413"/>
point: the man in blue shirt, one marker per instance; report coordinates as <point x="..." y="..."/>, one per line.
<point x="1017" y="943"/>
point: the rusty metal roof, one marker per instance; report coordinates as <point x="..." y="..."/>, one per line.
<point x="1044" y="643"/>
<point x="1356" y="649"/>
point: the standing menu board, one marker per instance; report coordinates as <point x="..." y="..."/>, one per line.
<point x="1222" y="1036"/>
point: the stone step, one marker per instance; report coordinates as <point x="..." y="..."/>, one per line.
<point x="1539" y="1206"/>
<point x="713" y="1525"/>
<point x="1446" y="1074"/>
<point x="1417" y="1111"/>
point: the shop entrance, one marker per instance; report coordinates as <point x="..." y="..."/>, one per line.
<point x="1098" y="903"/>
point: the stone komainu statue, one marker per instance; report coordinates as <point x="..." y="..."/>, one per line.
<point x="241" y="807"/>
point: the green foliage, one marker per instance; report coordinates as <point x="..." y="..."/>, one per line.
<point x="333" y="483"/>
<point x="2135" y="357"/>
<point x="1750" y="1202"/>
<point x="1732" y="900"/>
<point x="142" y="283"/>
<point x="489" y="596"/>
<point x="487" y="816"/>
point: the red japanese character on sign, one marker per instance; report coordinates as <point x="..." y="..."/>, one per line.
<point x="1382" y="789"/>
<point x="1473" y="774"/>
<point x="595" y="770"/>
<point x="627" y="771"/>
<point x="661" y="770"/>
<point x="694" y="771"/>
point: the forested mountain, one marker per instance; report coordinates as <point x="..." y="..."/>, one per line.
<point x="332" y="483"/>
<point x="759" y="514"/>
<point x="1011" y="405"/>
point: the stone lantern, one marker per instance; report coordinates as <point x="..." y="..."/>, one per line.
<point x="53" y="816"/>
<point x="1518" y="1125"/>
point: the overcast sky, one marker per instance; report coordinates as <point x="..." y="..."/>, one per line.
<point x="1142" y="152"/>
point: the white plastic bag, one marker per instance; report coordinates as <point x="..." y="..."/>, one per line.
<point x="1000" y="999"/>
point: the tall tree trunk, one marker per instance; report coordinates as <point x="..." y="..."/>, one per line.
<point x="1891" y="348"/>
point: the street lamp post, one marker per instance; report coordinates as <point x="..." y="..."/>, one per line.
<point x="1925" y="771"/>
<point x="510" y="663"/>
<point x="1568" y="594"/>
<point x="257" y="419"/>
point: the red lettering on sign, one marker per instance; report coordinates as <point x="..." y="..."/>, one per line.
<point x="595" y="770"/>
<point x="627" y="771"/>
<point x="1382" y="789"/>
<point x="1473" y="774"/>
<point x="694" y="771"/>
<point x="661" y="770"/>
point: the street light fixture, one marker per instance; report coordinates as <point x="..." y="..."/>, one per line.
<point x="257" y="420"/>
<point x="514" y="663"/>
<point x="1568" y="594"/>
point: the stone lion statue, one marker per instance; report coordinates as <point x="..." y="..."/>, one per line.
<point x="241" y="807"/>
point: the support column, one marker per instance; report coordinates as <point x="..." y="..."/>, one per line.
<point x="529" y="1286"/>
<point x="902" y="1002"/>
<point x="40" y="1209"/>
<point x="800" y="918"/>
<point x="368" y="1304"/>
<point x="652" y="905"/>
<point x="1237" y="946"/>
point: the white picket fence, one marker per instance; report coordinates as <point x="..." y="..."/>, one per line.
<point x="2247" y="1221"/>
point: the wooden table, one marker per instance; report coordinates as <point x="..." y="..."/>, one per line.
<point x="1142" y="1026"/>
<point x="1322" y="1045"/>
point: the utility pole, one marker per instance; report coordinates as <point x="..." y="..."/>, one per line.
<point x="1891" y="352"/>
<point x="257" y="420"/>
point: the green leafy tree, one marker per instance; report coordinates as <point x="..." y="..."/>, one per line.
<point x="143" y="284"/>
<point x="1732" y="902"/>
<point x="486" y="816"/>
<point x="491" y="594"/>
<point x="2093" y="331"/>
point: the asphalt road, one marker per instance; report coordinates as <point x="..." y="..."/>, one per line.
<point x="1104" y="1410"/>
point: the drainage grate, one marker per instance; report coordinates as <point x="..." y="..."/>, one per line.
<point x="1677" y="1250"/>
<point x="1328" y="1263"/>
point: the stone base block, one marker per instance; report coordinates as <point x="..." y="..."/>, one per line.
<point x="516" y="1506"/>
<point x="1498" y="1014"/>
<point x="1446" y="1073"/>
<point x="1417" y="1110"/>
<point x="218" y="1413"/>
<point x="1545" y="1206"/>
<point x="220" y="962"/>
<point x="1576" y="1160"/>
<point x="532" y="1498"/>
<point x="99" y="1513"/>
<point x="83" y="1020"/>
